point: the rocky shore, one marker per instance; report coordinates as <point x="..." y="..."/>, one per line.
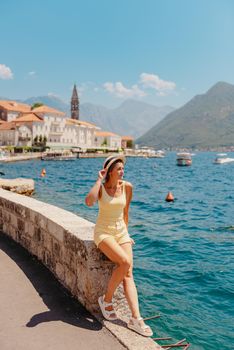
<point x="20" y="185"/>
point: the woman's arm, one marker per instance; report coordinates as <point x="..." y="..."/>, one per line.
<point x="94" y="193"/>
<point x="129" y="190"/>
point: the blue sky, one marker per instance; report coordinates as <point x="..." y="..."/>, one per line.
<point x="160" y="52"/>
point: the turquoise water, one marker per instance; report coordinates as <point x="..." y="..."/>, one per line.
<point x="184" y="251"/>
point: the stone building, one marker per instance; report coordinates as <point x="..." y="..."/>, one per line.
<point x="127" y="142"/>
<point x="10" y="110"/>
<point x="60" y="132"/>
<point x="107" y="139"/>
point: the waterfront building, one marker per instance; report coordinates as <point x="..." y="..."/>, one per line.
<point x="19" y="132"/>
<point x="46" y="122"/>
<point x="127" y="142"/>
<point x="107" y="139"/>
<point x="10" y="110"/>
<point x="23" y="125"/>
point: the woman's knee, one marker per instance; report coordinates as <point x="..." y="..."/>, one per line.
<point x="125" y="263"/>
<point x="129" y="272"/>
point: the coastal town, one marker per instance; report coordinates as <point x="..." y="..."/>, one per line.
<point x="39" y="127"/>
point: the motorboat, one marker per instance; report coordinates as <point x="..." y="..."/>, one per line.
<point x="222" y="158"/>
<point x="184" y="159"/>
<point x="58" y="155"/>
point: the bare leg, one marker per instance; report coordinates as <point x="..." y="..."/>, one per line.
<point x="130" y="288"/>
<point x="116" y="254"/>
<point x="129" y="284"/>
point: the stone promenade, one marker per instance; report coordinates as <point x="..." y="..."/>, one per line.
<point x="37" y="313"/>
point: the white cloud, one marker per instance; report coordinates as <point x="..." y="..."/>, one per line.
<point x="154" y="82"/>
<point x="52" y="94"/>
<point x="31" y="73"/>
<point x="119" y="90"/>
<point x="5" y="72"/>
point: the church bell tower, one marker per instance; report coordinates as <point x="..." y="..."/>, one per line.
<point x="75" y="104"/>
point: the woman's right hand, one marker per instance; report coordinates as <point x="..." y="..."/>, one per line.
<point x="102" y="174"/>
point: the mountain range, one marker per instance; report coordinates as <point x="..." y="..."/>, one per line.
<point x="132" y="117"/>
<point x="207" y="120"/>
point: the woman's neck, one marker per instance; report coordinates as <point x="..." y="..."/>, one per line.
<point x="112" y="183"/>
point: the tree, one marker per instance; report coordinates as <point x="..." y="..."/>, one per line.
<point x="104" y="142"/>
<point x="129" y="144"/>
<point x="44" y="141"/>
<point x="35" y="140"/>
<point x="36" y="104"/>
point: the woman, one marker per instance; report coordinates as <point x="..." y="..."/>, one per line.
<point x="112" y="238"/>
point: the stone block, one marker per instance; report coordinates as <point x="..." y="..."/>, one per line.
<point x="38" y="219"/>
<point x="34" y="247"/>
<point x="6" y="216"/>
<point x="70" y="280"/>
<point x="9" y="205"/>
<point x="55" y="230"/>
<point x="56" y="249"/>
<point x="60" y="271"/>
<point x="25" y="242"/>
<point x="20" y="210"/>
<point x="20" y="225"/>
<point x="41" y="253"/>
<point x="76" y="245"/>
<point x="29" y="229"/>
<point x="47" y="241"/>
<point x="10" y="230"/>
<point x="13" y="220"/>
<point x="38" y="237"/>
<point x="48" y="258"/>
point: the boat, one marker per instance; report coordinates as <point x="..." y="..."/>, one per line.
<point x="158" y="154"/>
<point x="58" y="155"/>
<point x="221" y="158"/>
<point x="184" y="159"/>
<point x="3" y="156"/>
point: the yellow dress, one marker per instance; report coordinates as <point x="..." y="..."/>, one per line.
<point x="110" y="221"/>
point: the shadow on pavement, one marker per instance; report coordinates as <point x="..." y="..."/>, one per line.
<point x="62" y="306"/>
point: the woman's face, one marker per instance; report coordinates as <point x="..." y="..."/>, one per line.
<point x="117" y="171"/>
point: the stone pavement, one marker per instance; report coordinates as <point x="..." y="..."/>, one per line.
<point x="37" y="313"/>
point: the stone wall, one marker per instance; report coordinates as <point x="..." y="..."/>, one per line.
<point x="63" y="241"/>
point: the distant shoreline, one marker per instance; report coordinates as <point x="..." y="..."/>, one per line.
<point x="20" y="157"/>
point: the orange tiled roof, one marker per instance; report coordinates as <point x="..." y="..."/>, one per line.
<point x="28" y="117"/>
<point x="79" y="122"/>
<point x="47" y="110"/>
<point x="14" y="106"/>
<point x="127" y="138"/>
<point x="8" y="126"/>
<point x="105" y="133"/>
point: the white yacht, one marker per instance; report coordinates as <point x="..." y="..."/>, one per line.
<point x="222" y="158"/>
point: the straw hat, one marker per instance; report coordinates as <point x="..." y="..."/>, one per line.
<point x="110" y="160"/>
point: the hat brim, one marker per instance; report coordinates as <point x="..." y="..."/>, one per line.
<point x="121" y="158"/>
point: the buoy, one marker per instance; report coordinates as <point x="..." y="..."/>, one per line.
<point x="169" y="197"/>
<point x="43" y="172"/>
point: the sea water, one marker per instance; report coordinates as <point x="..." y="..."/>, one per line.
<point x="184" y="250"/>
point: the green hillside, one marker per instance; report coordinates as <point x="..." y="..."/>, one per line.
<point x="205" y="121"/>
